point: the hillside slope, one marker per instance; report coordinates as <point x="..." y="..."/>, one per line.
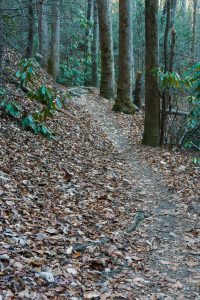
<point x="94" y="215"/>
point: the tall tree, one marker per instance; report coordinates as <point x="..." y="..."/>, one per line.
<point x="88" y="28"/>
<point x="194" y="25"/>
<point x="43" y="32"/>
<point x="151" y="135"/>
<point x="95" y="46"/>
<point x="168" y="61"/>
<point x="29" y="49"/>
<point x="1" y="41"/>
<point x="54" y="61"/>
<point x="88" y="44"/>
<point x="107" y="85"/>
<point x="123" y="102"/>
<point x="184" y="8"/>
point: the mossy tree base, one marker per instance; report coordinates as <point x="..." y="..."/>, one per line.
<point x="126" y="109"/>
<point x="151" y="141"/>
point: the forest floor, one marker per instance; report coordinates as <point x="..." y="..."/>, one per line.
<point x="96" y="215"/>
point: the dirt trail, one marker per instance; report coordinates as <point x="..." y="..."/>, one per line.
<point x="173" y="265"/>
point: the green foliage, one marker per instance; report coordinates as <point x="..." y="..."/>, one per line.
<point x="72" y="74"/>
<point x="44" y="95"/>
<point x="13" y="109"/>
<point x="3" y="94"/>
<point x="190" y="83"/>
<point x="196" y="160"/>
<point x="76" y="71"/>
<point x="169" y="80"/>
<point x="50" y="101"/>
<point x="27" y="71"/>
<point x="30" y="123"/>
<point x="9" y="107"/>
<point x="193" y="76"/>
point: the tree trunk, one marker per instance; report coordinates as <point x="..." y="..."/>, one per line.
<point x="88" y="49"/>
<point x="194" y="23"/>
<point x="123" y="102"/>
<point x="165" y="94"/>
<point x="138" y="89"/>
<point x="168" y="62"/>
<point x="29" y="49"/>
<point x="172" y="50"/>
<point x="151" y="135"/>
<point x="173" y="12"/>
<point x="54" y="61"/>
<point x="184" y="8"/>
<point x="95" y="47"/>
<point x="43" y="32"/>
<point x="1" y="42"/>
<point x="166" y="35"/>
<point x="88" y="28"/>
<point x="107" y="85"/>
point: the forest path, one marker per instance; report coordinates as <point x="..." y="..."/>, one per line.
<point x="172" y="265"/>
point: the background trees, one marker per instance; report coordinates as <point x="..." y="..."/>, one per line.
<point x="54" y="60"/>
<point x="29" y="49"/>
<point x="43" y="39"/>
<point x="152" y="100"/>
<point x="78" y="42"/>
<point x="124" y="102"/>
<point x="107" y="85"/>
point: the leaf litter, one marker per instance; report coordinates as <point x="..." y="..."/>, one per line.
<point x="94" y="215"/>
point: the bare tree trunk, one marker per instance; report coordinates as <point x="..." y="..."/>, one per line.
<point x="107" y="85"/>
<point x="123" y="102"/>
<point x="43" y="32"/>
<point x="166" y="39"/>
<point x="173" y="12"/>
<point x="138" y="89"/>
<point x="1" y="42"/>
<point x="166" y="67"/>
<point x="194" y="23"/>
<point x="172" y="50"/>
<point x="54" y="61"/>
<point x="29" y="49"/>
<point x="184" y="8"/>
<point x="95" y="47"/>
<point x="88" y="44"/>
<point x="168" y="62"/>
<point x="88" y="28"/>
<point x="151" y="135"/>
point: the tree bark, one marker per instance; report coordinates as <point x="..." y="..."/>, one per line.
<point x="138" y="88"/>
<point x="1" y="42"/>
<point x="95" y="47"/>
<point x="54" y="62"/>
<point x="172" y="50"/>
<point x="88" y="40"/>
<point x="168" y="62"/>
<point x="107" y="85"/>
<point x="184" y="8"/>
<point x="43" y="32"/>
<point x="151" y="135"/>
<point x="29" y="49"/>
<point x="124" y="101"/>
<point x="172" y="12"/>
<point x="194" y="23"/>
<point x="88" y="28"/>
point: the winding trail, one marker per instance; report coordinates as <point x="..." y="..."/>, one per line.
<point x="173" y="266"/>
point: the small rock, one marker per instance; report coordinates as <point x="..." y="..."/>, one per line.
<point x="182" y="168"/>
<point x="4" y="257"/>
<point x="72" y="271"/>
<point x="46" y="276"/>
